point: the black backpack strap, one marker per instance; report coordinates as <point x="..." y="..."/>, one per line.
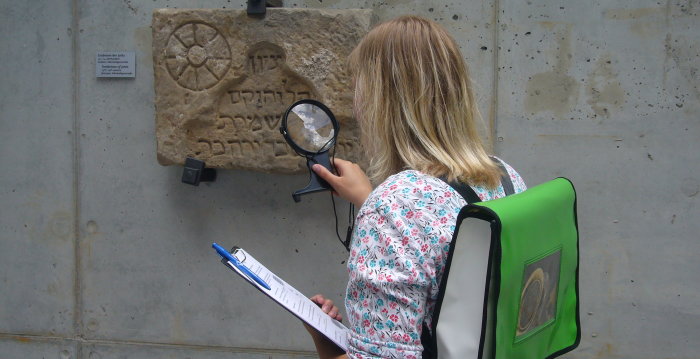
<point x="429" y="343"/>
<point x="428" y="339"/>
<point x="464" y="190"/>
<point x="505" y="178"/>
<point x="468" y="193"/>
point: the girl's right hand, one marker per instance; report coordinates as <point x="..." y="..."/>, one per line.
<point x="351" y="183"/>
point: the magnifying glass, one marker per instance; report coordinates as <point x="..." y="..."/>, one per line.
<point x="311" y="130"/>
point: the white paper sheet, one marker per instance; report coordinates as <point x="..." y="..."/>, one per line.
<point x="292" y="300"/>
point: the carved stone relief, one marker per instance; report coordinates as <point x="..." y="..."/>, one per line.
<point x="197" y="56"/>
<point x="223" y="81"/>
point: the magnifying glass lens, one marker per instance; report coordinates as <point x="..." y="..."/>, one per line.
<point x="310" y="128"/>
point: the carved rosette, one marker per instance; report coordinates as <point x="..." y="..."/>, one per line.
<point x="197" y="56"/>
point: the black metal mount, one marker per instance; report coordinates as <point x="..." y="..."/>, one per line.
<point x="256" y="7"/>
<point x="195" y="172"/>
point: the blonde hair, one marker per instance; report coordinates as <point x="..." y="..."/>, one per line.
<point x="415" y="104"/>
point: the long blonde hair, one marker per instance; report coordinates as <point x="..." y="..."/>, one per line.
<point x="415" y="104"/>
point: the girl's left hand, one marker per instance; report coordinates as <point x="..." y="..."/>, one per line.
<point x="327" y="307"/>
<point x="325" y="347"/>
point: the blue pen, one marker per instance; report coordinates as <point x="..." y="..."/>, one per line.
<point x="224" y="253"/>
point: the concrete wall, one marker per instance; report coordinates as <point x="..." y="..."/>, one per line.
<point x="105" y="254"/>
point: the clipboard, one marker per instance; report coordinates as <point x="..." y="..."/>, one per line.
<point x="290" y="298"/>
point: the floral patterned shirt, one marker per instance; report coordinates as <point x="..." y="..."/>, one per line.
<point x="398" y="252"/>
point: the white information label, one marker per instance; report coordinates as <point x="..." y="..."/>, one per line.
<point x="115" y="64"/>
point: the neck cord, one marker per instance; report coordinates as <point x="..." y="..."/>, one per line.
<point x="351" y="213"/>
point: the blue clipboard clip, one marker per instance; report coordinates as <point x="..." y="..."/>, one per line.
<point x="240" y="266"/>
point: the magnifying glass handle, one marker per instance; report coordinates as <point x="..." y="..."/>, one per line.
<point x="323" y="160"/>
<point x="316" y="183"/>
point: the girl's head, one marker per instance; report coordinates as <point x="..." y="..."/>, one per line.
<point x="415" y="104"/>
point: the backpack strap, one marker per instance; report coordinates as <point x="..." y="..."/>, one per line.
<point x="429" y="342"/>
<point x="505" y="178"/>
<point x="468" y="193"/>
<point x="428" y="339"/>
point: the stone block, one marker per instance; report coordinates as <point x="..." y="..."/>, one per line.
<point x="223" y="81"/>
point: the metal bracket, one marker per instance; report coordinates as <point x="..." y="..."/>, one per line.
<point x="256" y="7"/>
<point x="195" y="172"/>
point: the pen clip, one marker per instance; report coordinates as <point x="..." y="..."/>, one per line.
<point x="237" y="252"/>
<point x="235" y="263"/>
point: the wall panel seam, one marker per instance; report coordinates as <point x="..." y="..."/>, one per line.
<point x="77" y="277"/>
<point x="493" y="119"/>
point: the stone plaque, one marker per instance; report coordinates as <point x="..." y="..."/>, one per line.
<point x="223" y="81"/>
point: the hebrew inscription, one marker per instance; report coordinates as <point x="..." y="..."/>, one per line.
<point x="249" y="114"/>
<point x="224" y="80"/>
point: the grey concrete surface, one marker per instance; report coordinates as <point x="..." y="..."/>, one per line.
<point x="605" y="93"/>
<point x="36" y="141"/>
<point x="23" y="347"/>
<point x="154" y="280"/>
<point x="613" y="88"/>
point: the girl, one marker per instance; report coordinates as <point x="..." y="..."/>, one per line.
<point x="417" y="113"/>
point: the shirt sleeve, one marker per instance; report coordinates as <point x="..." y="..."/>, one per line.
<point x="392" y="267"/>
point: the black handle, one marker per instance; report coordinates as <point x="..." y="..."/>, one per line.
<point x="316" y="183"/>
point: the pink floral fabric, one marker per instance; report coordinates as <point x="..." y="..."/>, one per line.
<point x="397" y="256"/>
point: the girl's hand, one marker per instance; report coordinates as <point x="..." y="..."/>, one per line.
<point x="327" y="307"/>
<point x="351" y="183"/>
<point x="325" y="347"/>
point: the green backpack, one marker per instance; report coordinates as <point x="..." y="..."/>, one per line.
<point x="510" y="286"/>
